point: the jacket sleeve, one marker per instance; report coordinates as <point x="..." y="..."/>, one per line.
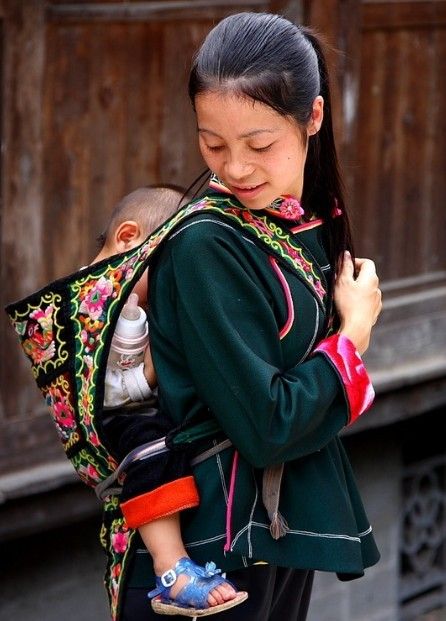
<point x="229" y="337"/>
<point x="125" y="386"/>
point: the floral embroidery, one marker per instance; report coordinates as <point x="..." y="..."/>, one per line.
<point x="273" y="236"/>
<point x="94" y="301"/>
<point x="116" y="538"/>
<point x="58" y="397"/>
<point x="119" y="541"/>
<point x="287" y="206"/>
<point x="39" y="332"/>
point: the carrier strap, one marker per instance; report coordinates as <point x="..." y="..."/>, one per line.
<point x="105" y="488"/>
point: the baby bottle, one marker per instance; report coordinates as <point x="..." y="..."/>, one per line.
<point x="131" y="336"/>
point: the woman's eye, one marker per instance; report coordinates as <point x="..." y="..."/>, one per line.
<point x="214" y="148"/>
<point x="262" y="149"/>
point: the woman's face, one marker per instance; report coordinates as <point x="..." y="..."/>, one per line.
<point x="258" y="153"/>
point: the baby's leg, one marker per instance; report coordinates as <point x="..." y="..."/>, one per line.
<point x="162" y="538"/>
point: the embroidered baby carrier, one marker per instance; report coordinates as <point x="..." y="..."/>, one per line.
<point x="66" y="328"/>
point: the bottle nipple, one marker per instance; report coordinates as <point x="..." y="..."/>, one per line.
<point x="130" y="309"/>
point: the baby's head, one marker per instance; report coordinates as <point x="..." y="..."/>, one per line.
<point x="134" y="218"/>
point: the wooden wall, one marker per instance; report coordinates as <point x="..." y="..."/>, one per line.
<point x="390" y="119"/>
<point x="94" y="104"/>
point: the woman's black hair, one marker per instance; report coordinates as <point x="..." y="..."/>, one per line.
<point x="273" y="61"/>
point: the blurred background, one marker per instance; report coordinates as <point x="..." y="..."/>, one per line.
<point x="93" y="105"/>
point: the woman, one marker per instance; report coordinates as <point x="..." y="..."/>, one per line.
<point x="243" y="298"/>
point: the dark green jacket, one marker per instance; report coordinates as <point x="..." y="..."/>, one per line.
<point x="234" y="336"/>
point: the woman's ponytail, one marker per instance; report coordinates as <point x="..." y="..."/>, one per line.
<point x="323" y="186"/>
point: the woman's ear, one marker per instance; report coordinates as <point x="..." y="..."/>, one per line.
<point x="127" y="235"/>
<point x="317" y="116"/>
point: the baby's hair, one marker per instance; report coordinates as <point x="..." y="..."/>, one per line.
<point x="149" y="206"/>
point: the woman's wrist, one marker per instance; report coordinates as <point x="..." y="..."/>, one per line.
<point x="357" y="335"/>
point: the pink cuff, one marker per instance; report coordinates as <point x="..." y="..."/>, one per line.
<point x="348" y="364"/>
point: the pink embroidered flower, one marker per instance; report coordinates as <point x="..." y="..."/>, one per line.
<point x="63" y="413"/>
<point x="119" y="542"/>
<point x="89" y="474"/>
<point x="290" y="208"/>
<point x="93" y="438"/>
<point x="93" y="304"/>
<point x="44" y="318"/>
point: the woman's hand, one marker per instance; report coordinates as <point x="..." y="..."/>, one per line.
<point x="358" y="300"/>
<point x="149" y="369"/>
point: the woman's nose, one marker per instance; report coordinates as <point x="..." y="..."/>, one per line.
<point x="238" y="168"/>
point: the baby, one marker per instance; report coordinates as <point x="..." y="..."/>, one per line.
<point x="182" y="586"/>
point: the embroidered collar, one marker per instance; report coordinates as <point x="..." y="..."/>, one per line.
<point x="286" y="206"/>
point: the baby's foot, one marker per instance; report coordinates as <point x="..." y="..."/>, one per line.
<point x="188" y="589"/>
<point x="219" y="595"/>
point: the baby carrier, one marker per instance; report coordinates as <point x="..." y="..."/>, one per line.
<point x="65" y="330"/>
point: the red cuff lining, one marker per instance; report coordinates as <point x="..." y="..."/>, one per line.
<point x="348" y="363"/>
<point x="160" y="502"/>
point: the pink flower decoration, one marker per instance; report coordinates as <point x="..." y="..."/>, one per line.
<point x="96" y="298"/>
<point x="120" y="542"/>
<point x="89" y="474"/>
<point x="44" y="317"/>
<point x="291" y="208"/>
<point x="93" y="439"/>
<point x="63" y="414"/>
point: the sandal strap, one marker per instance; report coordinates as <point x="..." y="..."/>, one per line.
<point x="195" y="592"/>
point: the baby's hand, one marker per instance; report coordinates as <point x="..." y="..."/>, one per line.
<point x="149" y="369"/>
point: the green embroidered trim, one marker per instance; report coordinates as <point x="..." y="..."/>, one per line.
<point x="278" y="241"/>
<point x="118" y="543"/>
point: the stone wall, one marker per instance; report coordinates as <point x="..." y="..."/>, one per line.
<point x="377" y="463"/>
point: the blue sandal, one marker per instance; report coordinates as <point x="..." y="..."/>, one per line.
<point x="192" y="600"/>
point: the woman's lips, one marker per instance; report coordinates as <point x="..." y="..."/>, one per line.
<point x="248" y="191"/>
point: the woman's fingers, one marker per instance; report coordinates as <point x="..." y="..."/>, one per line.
<point x="348" y="267"/>
<point x="365" y="269"/>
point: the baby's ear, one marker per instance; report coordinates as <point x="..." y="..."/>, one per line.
<point x="127" y="235"/>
